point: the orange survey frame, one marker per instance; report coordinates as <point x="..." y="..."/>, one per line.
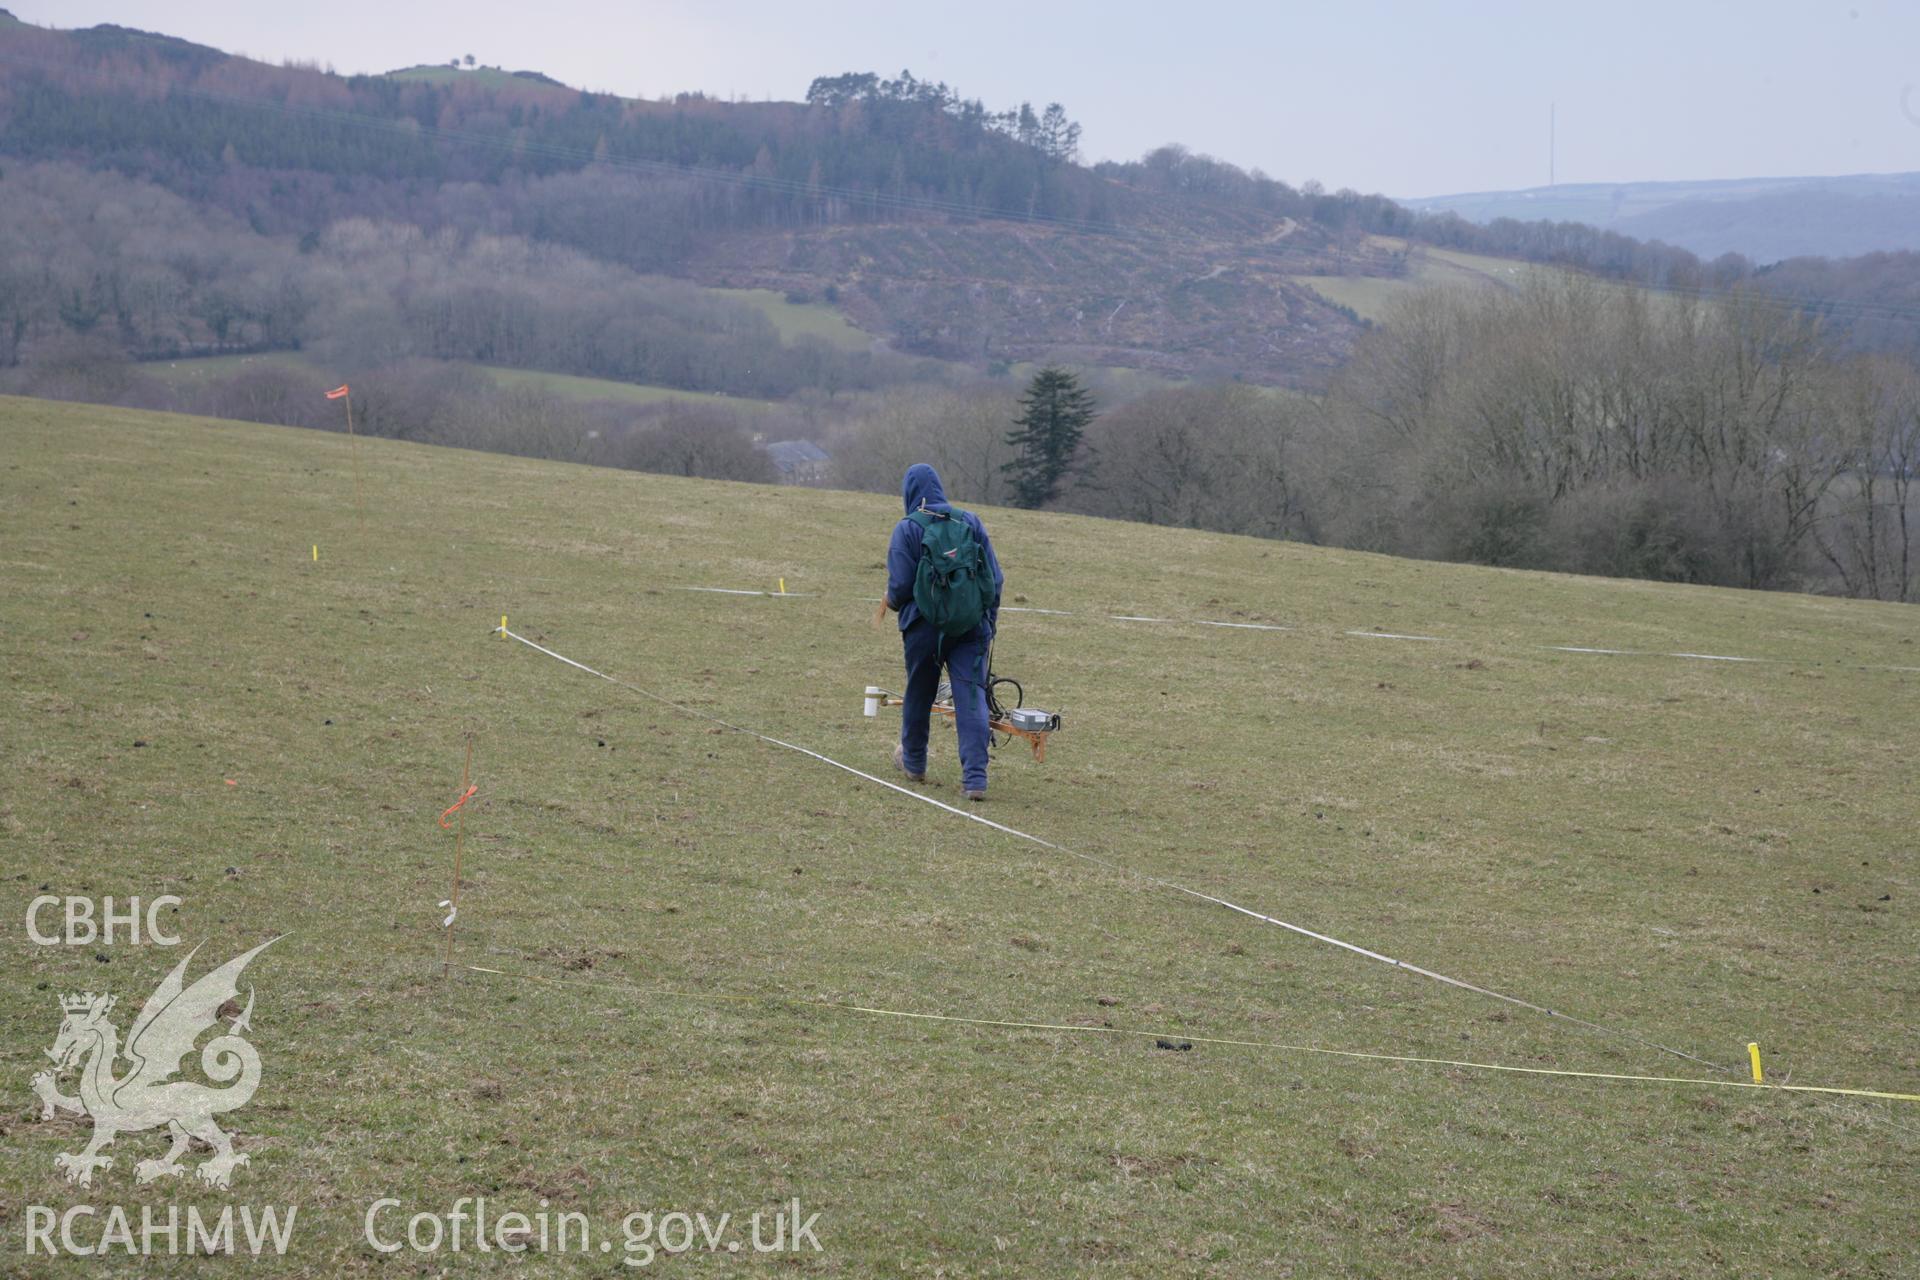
<point x="1035" y="738"/>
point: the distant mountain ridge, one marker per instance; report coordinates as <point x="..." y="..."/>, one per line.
<point x="1765" y="219"/>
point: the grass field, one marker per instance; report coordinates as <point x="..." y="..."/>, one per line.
<point x="205" y="369"/>
<point x="186" y="373"/>
<point x="1370" y="297"/>
<point x="569" y="386"/>
<point x="802" y="319"/>
<point x="434" y="73"/>
<point x="1111" y="384"/>
<point x="1702" y="853"/>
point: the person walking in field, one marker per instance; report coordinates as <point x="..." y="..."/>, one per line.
<point x="945" y="583"/>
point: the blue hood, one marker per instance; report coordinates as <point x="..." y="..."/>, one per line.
<point x="921" y="485"/>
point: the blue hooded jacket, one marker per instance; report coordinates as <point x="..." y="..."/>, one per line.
<point x="921" y="487"/>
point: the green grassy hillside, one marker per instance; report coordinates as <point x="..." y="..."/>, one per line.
<point x="1371" y="297"/>
<point x="193" y="372"/>
<point x="489" y="77"/>
<point x="1701" y="853"/>
<point x="802" y="319"/>
<point x="573" y="387"/>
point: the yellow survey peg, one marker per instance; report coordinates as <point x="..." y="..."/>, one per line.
<point x="503" y="626"/>
<point x="783" y="586"/>
<point x="316" y="553"/>
<point x="1753" y="1055"/>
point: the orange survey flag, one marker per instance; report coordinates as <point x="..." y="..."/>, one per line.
<point x="337" y="392"/>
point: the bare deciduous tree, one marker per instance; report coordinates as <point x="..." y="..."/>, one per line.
<point x="1208" y="458"/>
<point x="1870" y="529"/>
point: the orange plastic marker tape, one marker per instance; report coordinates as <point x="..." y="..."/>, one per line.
<point x="455" y="805"/>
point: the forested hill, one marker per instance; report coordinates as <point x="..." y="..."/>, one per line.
<point x="945" y="228"/>
<point x="942" y="226"/>
<point x="187" y="115"/>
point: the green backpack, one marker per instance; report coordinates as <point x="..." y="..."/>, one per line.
<point x="953" y="586"/>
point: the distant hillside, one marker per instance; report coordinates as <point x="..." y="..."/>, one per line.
<point x="503" y="263"/>
<point x="944" y="229"/>
<point x="1764" y="219"/>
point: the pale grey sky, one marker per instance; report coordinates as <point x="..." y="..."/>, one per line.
<point x="1406" y="98"/>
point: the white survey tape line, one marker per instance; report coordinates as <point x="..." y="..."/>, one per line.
<point x="1109" y="865"/>
<point x="738" y="591"/>
<point x="1652" y="653"/>
<point x="1267" y="626"/>
<point x="1574" y="648"/>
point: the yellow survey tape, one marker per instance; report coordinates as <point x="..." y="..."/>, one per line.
<point x="1011" y="1025"/>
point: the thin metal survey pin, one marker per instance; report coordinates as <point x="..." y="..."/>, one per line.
<point x="452" y="901"/>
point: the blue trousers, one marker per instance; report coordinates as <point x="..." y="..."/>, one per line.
<point x="966" y="664"/>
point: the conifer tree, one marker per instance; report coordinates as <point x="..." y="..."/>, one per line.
<point x="1054" y="414"/>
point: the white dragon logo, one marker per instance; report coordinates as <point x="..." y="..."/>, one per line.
<point x="146" y="1096"/>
